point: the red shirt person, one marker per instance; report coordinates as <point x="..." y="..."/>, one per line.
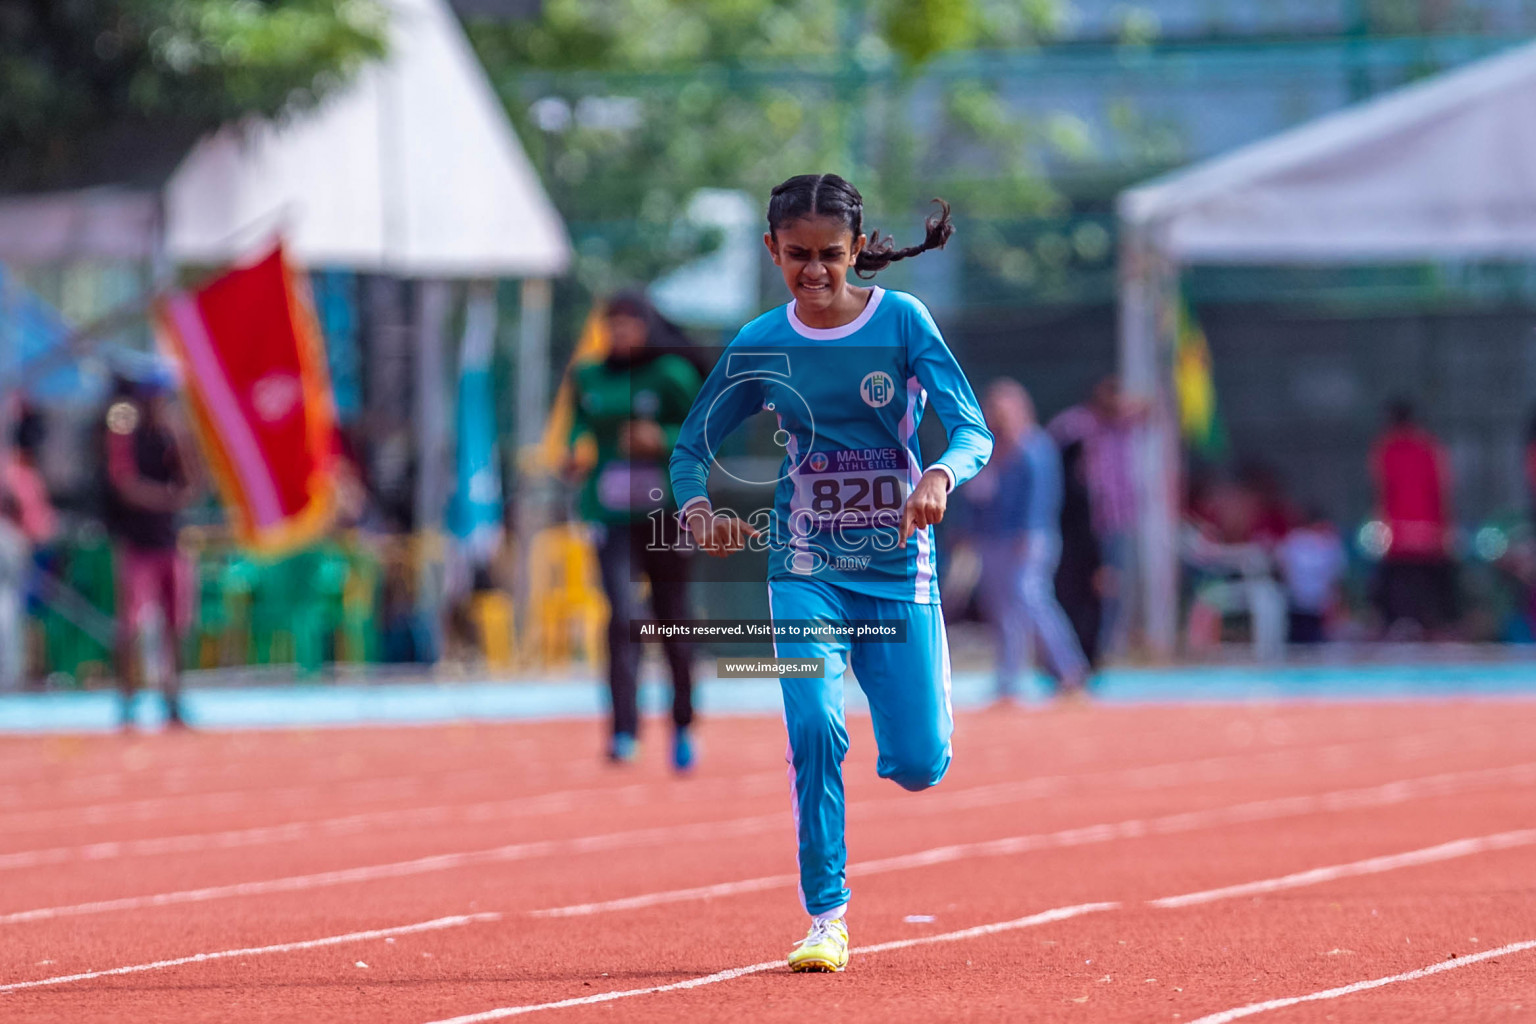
<point x="1412" y="478"/>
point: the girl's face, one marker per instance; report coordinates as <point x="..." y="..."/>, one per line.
<point x="815" y="255"/>
<point x="625" y="333"/>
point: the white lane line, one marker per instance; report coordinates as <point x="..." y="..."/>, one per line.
<point x="192" y="804"/>
<point x="189" y="804"/>
<point x="351" y="824"/>
<point x="1391" y="793"/>
<point x="608" y="997"/>
<point x="1460" y="848"/>
<point x="371" y="767"/>
<point x="1372" y="865"/>
<point x="1263" y="810"/>
<point x="1428" y="855"/>
<point x="656" y="899"/>
<point x="1166" y="774"/>
<point x="1033" y="920"/>
<point x="422" y="865"/>
<point x="1044" y="917"/>
<point x="376" y="787"/>
<point x="438" y="924"/>
<point x="1362" y="986"/>
<point x="1148" y="777"/>
<point x="178" y="776"/>
<point x="988" y="794"/>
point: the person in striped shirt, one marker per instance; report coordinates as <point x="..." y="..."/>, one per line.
<point x="1105" y="426"/>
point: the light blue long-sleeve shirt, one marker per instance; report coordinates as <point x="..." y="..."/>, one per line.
<point x="848" y="402"/>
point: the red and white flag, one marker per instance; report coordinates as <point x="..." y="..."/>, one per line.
<point x="253" y="363"/>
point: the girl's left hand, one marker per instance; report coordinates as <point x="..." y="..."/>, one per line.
<point x="926" y="504"/>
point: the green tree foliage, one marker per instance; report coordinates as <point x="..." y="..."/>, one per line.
<point x="629" y="106"/>
<point x="108" y="90"/>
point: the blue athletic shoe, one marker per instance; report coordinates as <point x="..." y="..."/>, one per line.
<point x="682" y="751"/>
<point x="621" y="750"/>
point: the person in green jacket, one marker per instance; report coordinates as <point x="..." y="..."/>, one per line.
<point x="628" y="409"/>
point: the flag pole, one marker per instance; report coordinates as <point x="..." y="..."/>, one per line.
<point x="80" y="341"/>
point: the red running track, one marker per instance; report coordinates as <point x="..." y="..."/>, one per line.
<point x="1281" y="862"/>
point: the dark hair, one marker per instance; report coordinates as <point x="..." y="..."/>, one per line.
<point x="661" y="334"/>
<point x="633" y="302"/>
<point x="828" y="195"/>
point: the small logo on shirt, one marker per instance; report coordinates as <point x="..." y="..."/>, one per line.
<point x="818" y="462"/>
<point x="877" y="389"/>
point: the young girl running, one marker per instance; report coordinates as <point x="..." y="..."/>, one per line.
<point x="847" y="371"/>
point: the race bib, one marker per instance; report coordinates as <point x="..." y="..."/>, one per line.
<point x="853" y="488"/>
<point x="629" y="487"/>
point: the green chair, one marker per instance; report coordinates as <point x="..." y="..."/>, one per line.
<point x="85" y="566"/>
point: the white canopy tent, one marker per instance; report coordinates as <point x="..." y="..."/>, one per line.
<point x="412" y="170"/>
<point x="1445" y="168"/>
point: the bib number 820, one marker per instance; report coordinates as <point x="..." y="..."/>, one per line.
<point x="830" y="496"/>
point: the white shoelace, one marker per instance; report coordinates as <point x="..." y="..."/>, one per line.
<point x="820" y="930"/>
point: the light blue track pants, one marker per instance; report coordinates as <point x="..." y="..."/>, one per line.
<point x="907" y="685"/>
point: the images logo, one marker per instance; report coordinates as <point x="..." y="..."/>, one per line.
<point x="877" y="389"/>
<point x="818" y="462"/>
<point x="766" y="374"/>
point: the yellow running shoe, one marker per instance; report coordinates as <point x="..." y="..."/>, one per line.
<point x="825" y="948"/>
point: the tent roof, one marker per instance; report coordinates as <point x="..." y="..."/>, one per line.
<point x="412" y="170"/>
<point x="1444" y="167"/>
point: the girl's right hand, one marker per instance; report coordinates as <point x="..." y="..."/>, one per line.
<point x="718" y="534"/>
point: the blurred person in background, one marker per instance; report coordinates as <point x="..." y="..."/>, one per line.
<point x="1312" y="562"/>
<point x="628" y="408"/>
<point x="1530" y="466"/>
<point x="1528" y="561"/>
<point x="1105" y="425"/>
<point x="1231" y="569"/>
<point x="1016" y="508"/>
<point x="24" y="480"/>
<point x="1416" y="581"/>
<point x="27" y="524"/>
<point x="404" y="637"/>
<point x="1276" y="514"/>
<point x="151" y="478"/>
<point x="15" y="562"/>
<point x="1079" y="577"/>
